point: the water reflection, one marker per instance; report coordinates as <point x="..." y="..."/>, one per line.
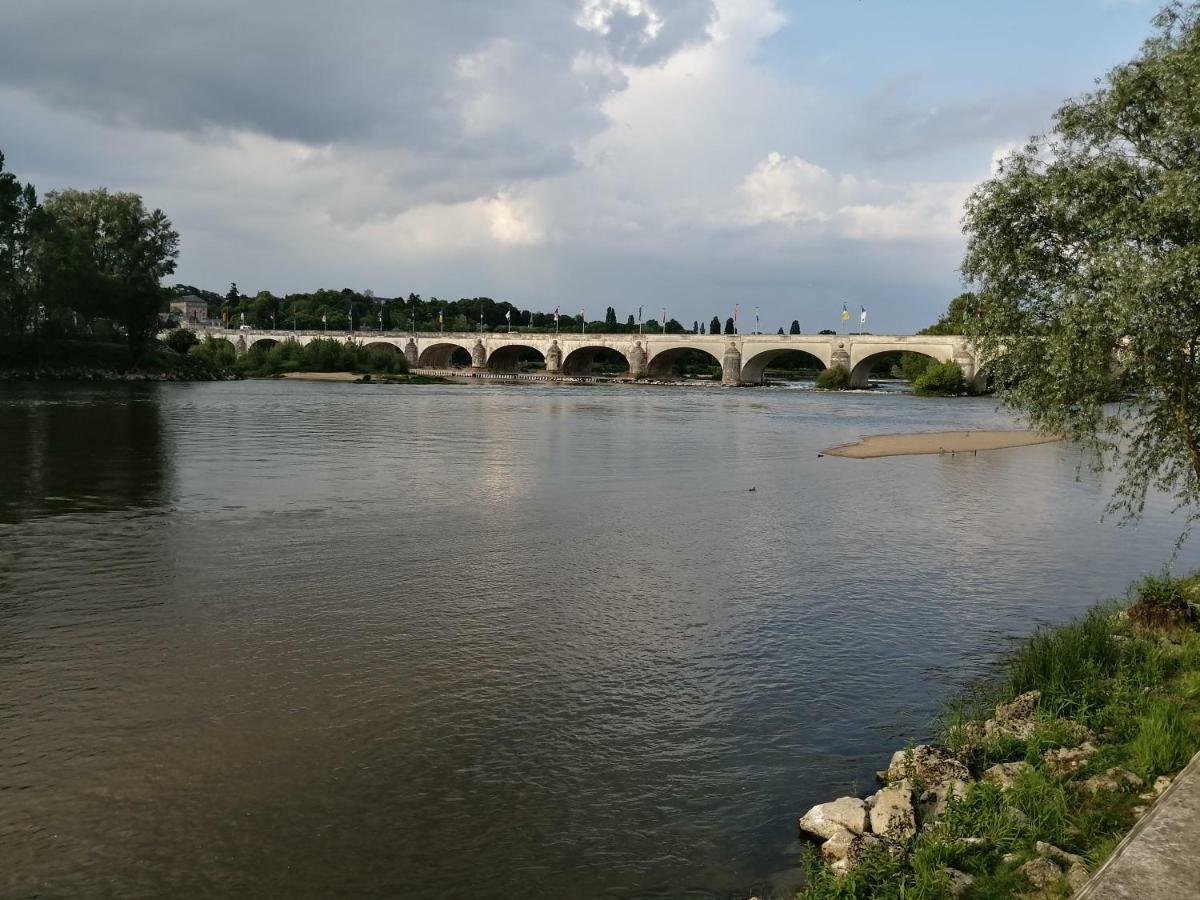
<point x="71" y="449"/>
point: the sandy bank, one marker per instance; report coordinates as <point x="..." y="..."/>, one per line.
<point x="322" y="376"/>
<point x="937" y="442"/>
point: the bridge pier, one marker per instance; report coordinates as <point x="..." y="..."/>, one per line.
<point x="478" y="357"/>
<point x="731" y="365"/>
<point x="637" y="360"/>
<point x="410" y="354"/>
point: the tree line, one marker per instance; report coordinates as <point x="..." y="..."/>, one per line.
<point x="79" y="263"/>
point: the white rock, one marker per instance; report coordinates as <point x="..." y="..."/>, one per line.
<point x="1067" y="760"/>
<point x="839" y="845"/>
<point x="932" y="804"/>
<point x="960" y="882"/>
<point x="926" y="763"/>
<point x="893" y="814"/>
<point x="1005" y="774"/>
<point x="1040" y="871"/>
<point x="824" y="819"/>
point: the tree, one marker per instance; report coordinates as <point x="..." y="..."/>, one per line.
<point x="1085" y="251"/>
<point x="951" y="321"/>
<point x="781" y="329"/>
<point x="610" y="319"/>
<point x="22" y="221"/>
<point x="714" y="327"/>
<point x="702" y="328"/>
<point x="119" y="253"/>
<point x="729" y="329"/>
<point x="233" y="296"/>
<point x="630" y="323"/>
<point x="795" y="329"/>
<point x="695" y="327"/>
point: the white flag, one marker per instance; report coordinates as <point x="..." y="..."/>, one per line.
<point x="508" y="315"/>
<point x="862" y="316"/>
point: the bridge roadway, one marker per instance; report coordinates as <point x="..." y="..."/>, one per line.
<point x="743" y="357"/>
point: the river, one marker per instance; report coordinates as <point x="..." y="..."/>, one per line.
<point x="362" y="641"/>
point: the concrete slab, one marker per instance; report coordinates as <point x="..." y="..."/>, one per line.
<point x="1160" y="857"/>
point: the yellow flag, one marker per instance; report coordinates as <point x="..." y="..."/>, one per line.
<point x="845" y="313"/>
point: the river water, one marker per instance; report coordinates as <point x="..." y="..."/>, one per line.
<point x="281" y="639"/>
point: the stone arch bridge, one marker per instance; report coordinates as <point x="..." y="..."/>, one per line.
<point x="743" y="357"/>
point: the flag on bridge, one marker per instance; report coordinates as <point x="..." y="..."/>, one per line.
<point x="508" y="315"/>
<point x="845" y="313"/>
<point x="736" y="308"/>
<point x="862" y="316"/>
<point x="556" y="314"/>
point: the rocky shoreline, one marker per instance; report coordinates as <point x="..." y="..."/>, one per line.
<point x="922" y="782"/>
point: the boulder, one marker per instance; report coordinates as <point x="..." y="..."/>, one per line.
<point x="1115" y="779"/>
<point x="824" y="819"/>
<point x="1015" y="717"/>
<point x="839" y="844"/>
<point x="1040" y="872"/>
<point x="932" y="803"/>
<point x="960" y="882"/>
<point x="1005" y="774"/>
<point x="847" y="846"/>
<point x="1068" y="760"/>
<point x="1161" y="783"/>
<point x="1062" y="857"/>
<point x="926" y="763"/>
<point x="893" y="814"/>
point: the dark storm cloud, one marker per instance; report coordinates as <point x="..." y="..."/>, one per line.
<point x="496" y="88"/>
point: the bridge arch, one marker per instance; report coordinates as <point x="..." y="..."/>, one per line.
<point x="860" y="371"/>
<point x="508" y="357"/>
<point x="445" y="355"/>
<point x="667" y="362"/>
<point x="262" y="343"/>
<point x="754" y="369"/>
<point x="381" y="345"/>
<point x="582" y="360"/>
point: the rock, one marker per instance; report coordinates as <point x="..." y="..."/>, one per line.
<point x="1139" y="811"/>
<point x="1115" y="779"/>
<point x="1040" y="871"/>
<point x="847" y="847"/>
<point x="932" y="803"/>
<point x="960" y="882"/>
<point x="970" y="841"/>
<point x="1068" y="760"/>
<point x="1077" y="876"/>
<point x="893" y="814"/>
<point x="1062" y="857"/>
<point x="824" y="819"/>
<point x="1161" y="783"/>
<point x="839" y="844"/>
<point x="839" y="867"/>
<point x="926" y="763"/>
<point x="1005" y="774"/>
<point x="1015" y="717"/>
<point x="1010" y="858"/>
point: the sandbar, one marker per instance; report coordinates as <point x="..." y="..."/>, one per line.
<point x="877" y="445"/>
<point x="322" y="376"/>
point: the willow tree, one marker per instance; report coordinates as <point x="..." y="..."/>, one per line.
<point x="1085" y="251"/>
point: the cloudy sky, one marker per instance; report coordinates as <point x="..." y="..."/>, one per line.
<point x="690" y="154"/>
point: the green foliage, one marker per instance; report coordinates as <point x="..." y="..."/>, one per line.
<point x="320" y="355"/>
<point x="1085" y="253"/>
<point x="181" y="340"/>
<point x="729" y="326"/>
<point x="795" y="329"/>
<point x="913" y="365"/>
<point x="834" y="378"/>
<point x="714" y="327"/>
<point x="941" y="378"/>
<point x="1067" y="664"/>
<point x="217" y="353"/>
<point x="951" y="321"/>
<point x="1165" y="739"/>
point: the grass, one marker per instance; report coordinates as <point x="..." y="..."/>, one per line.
<point x="1127" y="677"/>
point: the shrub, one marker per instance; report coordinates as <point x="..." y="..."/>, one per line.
<point x="835" y="378"/>
<point x="941" y="378"/>
<point x="181" y="340"/>
<point x="1070" y="665"/>
<point x="1162" y="602"/>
